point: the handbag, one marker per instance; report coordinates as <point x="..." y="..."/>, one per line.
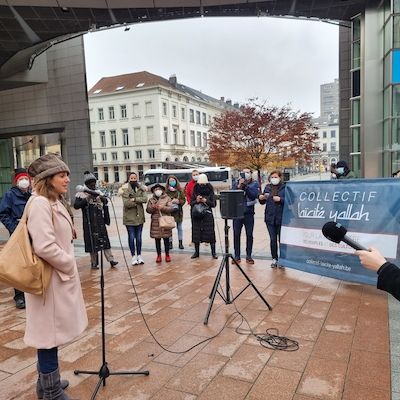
<point x="200" y="210"/>
<point x="20" y="267"/>
<point x="166" y="221"/>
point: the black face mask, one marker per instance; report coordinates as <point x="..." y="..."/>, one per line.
<point x="133" y="184"/>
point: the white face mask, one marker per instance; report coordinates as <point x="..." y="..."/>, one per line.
<point x="23" y="183"/>
<point x="158" y="192"/>
<point x="247" y="176"/>
<point x="195" y="178"/>
<point x="275" y="181"/>
<point x="340" y="170"/>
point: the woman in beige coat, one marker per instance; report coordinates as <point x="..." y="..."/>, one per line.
<point x="160" y="204"/>
<point x="60" y="316"/>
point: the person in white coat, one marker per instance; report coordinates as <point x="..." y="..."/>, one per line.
<point x="60" y="316"/>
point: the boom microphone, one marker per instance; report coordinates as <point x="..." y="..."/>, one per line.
<point x="335" y="232"/>
<point x="81" y="188"/>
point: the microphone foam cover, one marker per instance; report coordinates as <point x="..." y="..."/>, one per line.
<point x="334" y="231"/>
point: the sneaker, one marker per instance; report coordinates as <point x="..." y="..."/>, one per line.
<point x="134" y="261"/>
<point x="158" y="259"/>
<point x="167" y="258"/>
<point x="249" y="260"/>
<point x="113" y="263"/>
<point x="20" y="304"/>
<point x="140" y="259"/>
<point x="237" y="260"/>
<point x="274" y="263"/>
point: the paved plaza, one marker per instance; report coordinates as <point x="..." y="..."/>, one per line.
<point x="348" y="334"/>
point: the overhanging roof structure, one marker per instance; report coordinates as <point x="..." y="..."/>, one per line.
<point x="28" y="28"/>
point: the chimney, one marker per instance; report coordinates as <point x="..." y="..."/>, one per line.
<point x="223" y="99"/>
<point x="172" y="80"/>
<point x="229" y="102"/>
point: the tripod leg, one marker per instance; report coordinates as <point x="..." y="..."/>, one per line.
<point x="214" y="289"/>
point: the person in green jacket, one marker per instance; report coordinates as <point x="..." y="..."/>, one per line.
<point x="342" y="171"/>
<point x="177" y="194"/>
<point x="133" y="197"/>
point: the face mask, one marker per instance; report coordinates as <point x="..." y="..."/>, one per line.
<point x="133" y="184"/>
<point x="275" y="181"/>
<point x="247" y="176"/>
<point x="195" y="178"/>
<point x="172" y="183"/>
<point x="23" y="183"/>
<point x="340" y="170"/>
<point x="158" y="193"/>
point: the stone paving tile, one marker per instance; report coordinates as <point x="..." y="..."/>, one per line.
<point x="223" y="388"/>
<point x="168" y="394"/>
<point x="333" y="345"/>
<point x="323" y="379"/>
<point x="305" y="328"/>
<point x="353" y="391"/>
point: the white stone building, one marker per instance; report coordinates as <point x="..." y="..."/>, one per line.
<point x="140" y="121"/>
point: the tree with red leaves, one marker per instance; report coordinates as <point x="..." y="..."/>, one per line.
<point x="259" y="136"/>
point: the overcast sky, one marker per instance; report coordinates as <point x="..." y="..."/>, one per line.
<point x="280" y="60"/>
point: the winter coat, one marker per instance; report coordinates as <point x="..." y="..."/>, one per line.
<point x="133" y="212"/>
<point x="389" y="279"/>
<point x="94" y="228"/>
<point x="12" y="207"/>
<point x="273" y="211"/>
<point x="61" y="316"/>
<point x="349" y="175"/>
<point x="156" y="232"/>
<point x="189" y="190"/>
<point x="180" y="195"/>
<point x="251" y="192"/>
<point x="203" y="230"/>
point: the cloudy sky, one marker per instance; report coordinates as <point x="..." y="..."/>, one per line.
<point x="280" y="60"/>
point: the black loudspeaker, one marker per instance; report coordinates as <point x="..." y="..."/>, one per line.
<point x="232" y="204"/>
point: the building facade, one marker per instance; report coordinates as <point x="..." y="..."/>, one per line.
<point x="141" y="121"/>
<point x="329" y="99"/>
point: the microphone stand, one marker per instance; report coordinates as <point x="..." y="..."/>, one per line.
<point x="104" y="372"/>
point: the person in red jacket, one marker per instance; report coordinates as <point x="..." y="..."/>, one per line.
<point x="190" y="185"/>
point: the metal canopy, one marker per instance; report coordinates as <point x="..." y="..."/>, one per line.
<point x="29" y="27"/>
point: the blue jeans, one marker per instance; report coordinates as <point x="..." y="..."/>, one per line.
<point x="248" y="222"/>
<point x="274" y="231"/>
<point x="48" y="360"/>
<point x="135" y="234"/>
<point x="180" y="230"/>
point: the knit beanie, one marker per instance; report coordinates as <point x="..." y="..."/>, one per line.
<point x="88" y="176"/>
<point x="20" y="173"/>
<point x="202" y="179"/>
<point x="47" y="165"/>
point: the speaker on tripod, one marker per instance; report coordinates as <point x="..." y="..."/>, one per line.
<point x="231" y="207"/>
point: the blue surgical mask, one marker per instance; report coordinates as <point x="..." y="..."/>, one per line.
<point x="172" y="182"/>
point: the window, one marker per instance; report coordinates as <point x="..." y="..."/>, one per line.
<point x="123" y="111"/>
<point x="128" y="171"/>
<point x="175" y="135"/>
<point x="198" y="117"/>
<point x="198" y="139"/>
<point x="152" y="154"/>
<point x="101" y="114"/>
<point x="333" y="134"/>
<point x="204" y="115"/>
<point x="205" y="141"/>
<point x="184" y="137"/>
<point x="106" y="174"/>
<point x="183" y="113"/>
<point x="94" y="157"/>
<point x="125" y="137"/>
<point x="192" y="139"/>
<point x="137" y="136"/>
<point x="111" y="113"/>
<point x="135" y="110"/>
<point x="139" y="154"/>
<point x="113" y="135"/>
<point x="324" y="147"/>
<point x="114" y="156"/>
<point x="324" y="134"/>
<point x="149" y="108"/>
<point x="116" y="174"/>
<point x="126" y="155"/>
<point x="191" y="116"/>
<point x="103" y="156"/>
<point x="333" y="146"/>
<point x="102" y="139"/>
<point x="150" y="134"/>
<point x="96" y="172"/>
<point x="165" y="134"/>
<point x="140" y="171"/>
<point x="174" y="111"/>
<point x="164" y="109"/>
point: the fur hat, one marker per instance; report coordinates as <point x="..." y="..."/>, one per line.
<point x="202" y="179"/>
<point x="47" y="165"/>
<point x="157" y="186"/>
<point x="88" y="176"/>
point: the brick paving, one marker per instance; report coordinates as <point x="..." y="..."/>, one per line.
<point x="342" y="329"/>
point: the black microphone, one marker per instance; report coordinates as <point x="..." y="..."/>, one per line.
<point x="81" y="188"/>
<point x="335" y="232"/>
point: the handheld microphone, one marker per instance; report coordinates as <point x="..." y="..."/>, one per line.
<point x="81" y="188"/>
<point x="335" y="232"/>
